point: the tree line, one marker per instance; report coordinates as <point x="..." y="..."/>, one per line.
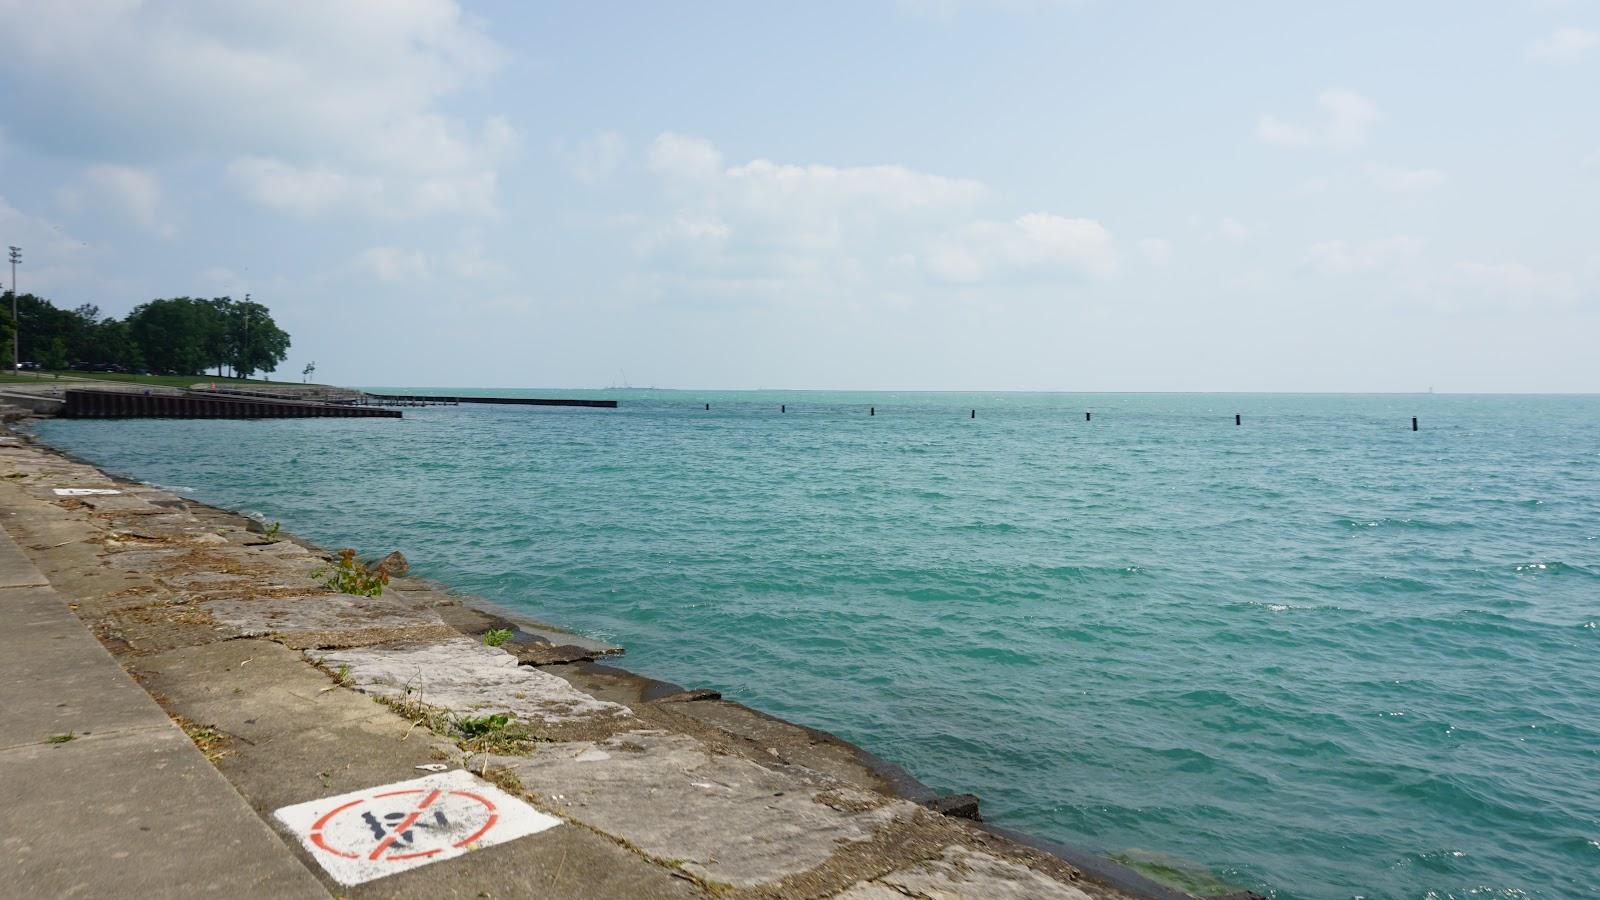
<point x="172" y="336"/>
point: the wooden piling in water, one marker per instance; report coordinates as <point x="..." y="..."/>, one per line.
<point x="1086" y="416"/>
<point x="1413" y="423"/>
<point x="974" y="414"/>
<point x="1236" y="419"/>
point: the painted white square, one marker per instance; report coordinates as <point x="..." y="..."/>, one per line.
<point x="84" y="492"/>
<point x="371" y="833"/>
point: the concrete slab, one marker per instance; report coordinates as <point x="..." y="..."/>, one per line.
<point x="963" y="874"/>
<point x="125" y="504"/>
<point x="463" y="675"/>
<point x="559" y="863"/>
<point x="153" y="559"/>
<point x="16" y="570"/>
<point x="137" y="814"/>
<point x="725" y="818"/>
<point x="329" y="620"/>
<point x="157" y="626"/>
<point x="56" y="679"/>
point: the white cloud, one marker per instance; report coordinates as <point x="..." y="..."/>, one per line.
<point x="51" y="255"/>
<point x="1399" y="180"/>
<point x="765" y="226"/>
<point x="689" y="239"/>
<point x="315" y="190"/>
<point x="1505" y="286"/>
<point x="1273" y="131"/>
<point x="467" y="261"/>
<point x="684" y="157"/>
<point x="1346" y="258"/>
<point x="1253" y="280"/>
<point x="769" y="186"/>
<point x="1232" y="230"/>
<point x="394" y="265"/>
<point x="470" y="261"/>
<point x="777" y="208"/>
<point x="596" y="158"/>
<point x="1564" y="46"/>
<point x="128" y="191"/>
<point x="698" y="230"/>
<point x="1311" y="187"/>
<point x="1347" y="122"/>
<point x="1031" y="242"/>
<point x="1156" y="251"/>
<point x="342" y="97"/>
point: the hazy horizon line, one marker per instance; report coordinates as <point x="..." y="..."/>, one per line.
<point x="684" y="390"/>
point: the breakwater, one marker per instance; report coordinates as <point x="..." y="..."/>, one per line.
<point x="128" y="404"/>
<point x="452" y="400"/>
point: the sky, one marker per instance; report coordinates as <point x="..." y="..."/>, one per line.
<point x="875" y="194"/>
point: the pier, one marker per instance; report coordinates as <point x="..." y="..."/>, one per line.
<point x="93" y="404"/>
<point x="428" y="400"/>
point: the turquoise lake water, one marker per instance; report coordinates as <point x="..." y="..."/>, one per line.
<point x="1318" y="655"/>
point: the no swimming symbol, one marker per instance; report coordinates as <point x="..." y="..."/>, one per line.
<point x="368" y="834"/>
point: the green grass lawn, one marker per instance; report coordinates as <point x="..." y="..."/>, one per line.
<point x="163" y="380"/>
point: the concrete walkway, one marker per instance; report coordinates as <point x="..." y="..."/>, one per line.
<point x="101" y="794"/>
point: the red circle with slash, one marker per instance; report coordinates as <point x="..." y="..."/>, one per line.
<point x="422" y="800"/>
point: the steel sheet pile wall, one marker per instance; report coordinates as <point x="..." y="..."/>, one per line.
<point x="84" y="404"/>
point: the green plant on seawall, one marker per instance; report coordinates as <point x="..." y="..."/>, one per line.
<point x="480" y="726"/>
<point x="60" y="738"/>
<point x="271" y="533"/>
<point x="350" y="576"/>
<point x="493" y="733"/>
<point x="497" y="637"/>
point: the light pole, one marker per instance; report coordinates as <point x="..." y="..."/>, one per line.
<point x="16" y="324"/>
<point x="244" y="351"/>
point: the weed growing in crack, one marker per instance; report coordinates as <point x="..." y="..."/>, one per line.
<point x="495" y="733"/>
<point x="481" y="726"/>
<point x="350" y="576"/>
